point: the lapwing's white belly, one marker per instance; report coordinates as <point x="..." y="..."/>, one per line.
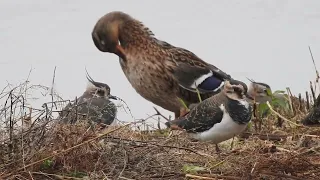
<point x="222" y="131"/>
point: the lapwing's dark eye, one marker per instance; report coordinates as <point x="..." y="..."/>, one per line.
<point x="100" y="92"/>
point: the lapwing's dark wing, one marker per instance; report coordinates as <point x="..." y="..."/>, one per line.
<point x="203" y="116"/>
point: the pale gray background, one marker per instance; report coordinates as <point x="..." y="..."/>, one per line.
<point x="264" y="40"/>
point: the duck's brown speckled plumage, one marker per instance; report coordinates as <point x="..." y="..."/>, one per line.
<point x="158" y="71"/>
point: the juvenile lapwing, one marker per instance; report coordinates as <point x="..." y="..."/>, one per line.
<point x="160" y="72"/>
<point x="258" y="92"/>
<point x="217" y="118"/>
<point x="94" y="105"/>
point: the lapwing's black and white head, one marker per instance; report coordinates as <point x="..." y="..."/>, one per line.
<point x="98" y="89"/>
<point x="219" y="117"/>
<point x="237" y="106"/>
<point x="259" y="92"/>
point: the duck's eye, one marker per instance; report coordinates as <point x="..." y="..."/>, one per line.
<point x="102" y="42"/>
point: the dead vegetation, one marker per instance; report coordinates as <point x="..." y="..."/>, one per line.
<point x="34" y="145"/>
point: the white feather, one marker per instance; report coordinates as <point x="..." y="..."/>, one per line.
<point x="201" y="79"/>
<point x="222" y="131"/>
<point x="90" y="86"/>
<point x="245" y="103"/>
<point x="222" y="83"/>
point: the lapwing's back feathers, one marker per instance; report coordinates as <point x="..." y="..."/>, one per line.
<point x="203" y="116"/>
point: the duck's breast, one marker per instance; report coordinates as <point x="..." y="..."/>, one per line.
<point x="150" y="79"/>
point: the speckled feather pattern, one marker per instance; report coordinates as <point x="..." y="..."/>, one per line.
<point x="151" y="64"/>
<point x="203" y="116"/>
<point x="208" y="113"/>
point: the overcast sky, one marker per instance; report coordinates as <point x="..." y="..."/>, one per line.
<point x="264" y="40"/>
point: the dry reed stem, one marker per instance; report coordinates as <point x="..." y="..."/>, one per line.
<point x="276" y="113"/>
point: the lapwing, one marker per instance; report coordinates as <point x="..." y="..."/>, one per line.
<point x="217" y="118"/>
<point x="259" y="92"/>
<point x="94" y="105"/>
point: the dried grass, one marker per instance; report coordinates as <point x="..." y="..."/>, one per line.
<point x="46" y="149"/>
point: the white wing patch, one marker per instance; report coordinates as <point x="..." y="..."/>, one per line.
<point x="222" y="83"/>
<point x="201" y="79"/>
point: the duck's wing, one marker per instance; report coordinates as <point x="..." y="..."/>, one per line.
<point x="193" y="73"/>
<point x="202" y="117"/>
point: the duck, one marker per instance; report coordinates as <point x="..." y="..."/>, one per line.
<point x="94" y="105"/>
<point x="218" y="118"/>
<point x="160" y="72"/>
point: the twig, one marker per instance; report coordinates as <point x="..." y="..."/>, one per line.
<point x="281" y="115"/>
<point x="314" y="64"/>
<point x="215" y="177"/>
<point x="308" y="102"/>
<point x="30" y="175"/>
<point x="56" y="175"/>
<point x="159" y="114"/>
<point x="52" y="86"/>
<point x="312" y="93"/>
<point x="290" y="101"/>
<point x="121" y="177"/>
<point x="270" y="137"/>
<point x="144" y="143"/>
<point x="300" y="102"/>
<point x="282" y="175"/>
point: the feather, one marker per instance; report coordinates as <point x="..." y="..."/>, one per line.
<point x="201" y="78"/>
<point x="203" y="116"/>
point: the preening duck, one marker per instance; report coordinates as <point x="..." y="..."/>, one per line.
<point x="158" y="71"/>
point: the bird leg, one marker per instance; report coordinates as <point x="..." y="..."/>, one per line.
<point x="232" y="143"/>
<point x="183" y="111"/>
<point x="218" y="149"/>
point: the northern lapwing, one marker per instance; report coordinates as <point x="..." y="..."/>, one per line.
<point x="94" y="105"/>
<point x="217" y="118"/>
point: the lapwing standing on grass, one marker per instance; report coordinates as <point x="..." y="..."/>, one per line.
<point x="94" y="105"/>
<point x="161" y="73"/>
<point x="217" y="118"/>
